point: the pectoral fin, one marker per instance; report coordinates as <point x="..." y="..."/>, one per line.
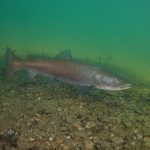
<point x="85" y="90"/>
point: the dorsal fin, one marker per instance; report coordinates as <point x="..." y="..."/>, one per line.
<point x="64" y="55"/>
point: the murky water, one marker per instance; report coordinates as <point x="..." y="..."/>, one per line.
<point x="113" y="34"/>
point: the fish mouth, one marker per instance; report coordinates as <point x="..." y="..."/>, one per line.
<point x="115" y="88"/>
<point x="122" y="87"/>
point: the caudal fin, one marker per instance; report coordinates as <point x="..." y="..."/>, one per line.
<point x="12" y="62"/>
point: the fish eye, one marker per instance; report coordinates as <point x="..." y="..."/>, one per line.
<point x="98" y="77"/>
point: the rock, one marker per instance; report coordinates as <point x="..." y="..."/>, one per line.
<point x="147" y="142"/>
<point x="78" y="126"/>
<point x="59" y="109"/>
<point x="38" y="122"/>
<point x="139" y="136"/>
<point x="90" y="124"/>
<point x="38" y="115"/>
<point x="48" y="143"/>
<point x="40" y="137"/>
<point x="67" y="147"/>
<point x="89" y="144"/>
<point x="39" y="98"/>
<point x="128" y="124"/>
<point x="11" y="136"/>
<point x="96" y="139"/>
<point x="146" y="131"/>
<point x="106" y="146"/>
<point x="117" y="140"/>
<point x="31" y="139"/>
<point x="59" y="141"/>
<point x="51" y="139"/>
<point x="2" y="146"/>
<point x="63" y="128"/>
<point x="68" y="137"/>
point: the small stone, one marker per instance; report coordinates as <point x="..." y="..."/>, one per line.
<point x="111" y="135"/>
<point x="48" y="143"/>
<point x="128" y="124"/>
<point x="39" y="98"/>
<point x="68" y="137"/>
<point x="66" y="147"/>
<point x="147" y="141"/>
<point x="31" y="139"/>
<point x="96" y="139"/>
<point x="88" y="144"/>
<point x="117" y="140"/>
<point x="146" y="131"/>
<point x="78" y="126"/>
<point x="139" y="136"/>
<point x="38" y="115"/>
<point x="40" y="137"/>
<point x="11" y="136"/>
<point x="63" y="128"/>
<point x="106" y="146"/>
<point x="51" y="139"/>
<point x="59" y="109"/>
<point x="90" y="124"/>
<point x="133" y="143"/>
<point x="59" y="141"/>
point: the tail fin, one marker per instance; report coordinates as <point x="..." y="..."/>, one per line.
<point x="11" y="62"/>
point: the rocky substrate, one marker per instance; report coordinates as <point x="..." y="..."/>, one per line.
<point x="36" y="116"/>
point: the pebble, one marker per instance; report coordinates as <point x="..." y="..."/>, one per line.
<point x="90" y="124"/>
<point x="39" y="98"/>
<point x="40" y="137"/>
<point x="51" y="139"/>
<point x="67" y="147"/>
<point x="38" y="115"/>
<point x="48" y="143"/>
<point x="88" y="144"/>
<point x="146" y="131"/>
<point x="78" y="126"/>
<point x="139" y="136"/>
<point x="106" y="146"/>
<point x="68" y="137"/>
<point x="128" y="124"/>
<point x="117" y="140"/>
<point x="147" y="141"/>
<point x="96" y="139"/>
<point x="31" y="139"/>
<point x="59" y="109"/>
<point x="63" y="128"/>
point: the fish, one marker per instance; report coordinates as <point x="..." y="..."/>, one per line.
<point x="63" y="68"/>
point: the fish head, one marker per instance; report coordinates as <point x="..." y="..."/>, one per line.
<point x="108" y="81"/>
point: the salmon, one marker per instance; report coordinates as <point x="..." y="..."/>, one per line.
<point x="67" y="70"/>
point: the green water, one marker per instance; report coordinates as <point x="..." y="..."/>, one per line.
<point x="112" y="32"/>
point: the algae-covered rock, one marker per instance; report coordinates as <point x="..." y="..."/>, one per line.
<point x="90" y="124"/>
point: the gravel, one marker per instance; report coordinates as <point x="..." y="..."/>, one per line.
<point x="56" y="116"/>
